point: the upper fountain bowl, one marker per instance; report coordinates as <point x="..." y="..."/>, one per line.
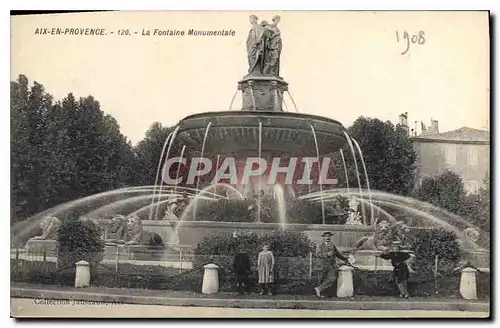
<point x="237" y="133"/>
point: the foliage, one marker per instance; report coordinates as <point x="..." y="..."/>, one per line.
<point x="288" y="243"/>
<point x="62" y="150"/>
<point x="477" y="207"/>
<point x="367" y="283"/>
<point x="290" y="249"/>
<point x="388" y="155"/>
<point x="226" y="210"/>
<point x="447" y="191"/>
<point x="79" y="240"/>
<point x="297" y="211"/>
<point x="148" y="152"/>
<point x="429" y="243"/>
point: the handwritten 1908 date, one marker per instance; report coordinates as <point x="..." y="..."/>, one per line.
<point x="407" y="39"/>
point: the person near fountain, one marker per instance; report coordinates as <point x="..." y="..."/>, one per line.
<point x="265" y="265"/>
<point x="242" y="269"/>
<point x="398" y="256"/>
<point x="327" y="253"/>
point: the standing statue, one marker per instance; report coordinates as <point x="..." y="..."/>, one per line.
<point x="273" y="47"/>
<point x="264" y="46"/>
<point x="354" y="217"/>
<point x="260" y="203"/>
<point x="255" y="47"/>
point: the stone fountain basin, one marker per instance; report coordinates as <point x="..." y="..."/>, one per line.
<point x="192" y="232"/>
<point x="236" y="133"/>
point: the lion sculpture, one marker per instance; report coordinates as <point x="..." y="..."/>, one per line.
<point x="383" y="236"/>
<point x="137" y="236"/>
<point x="116" y="231"/>
<point x="49" y="226"/>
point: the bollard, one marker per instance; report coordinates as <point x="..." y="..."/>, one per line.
<point x="468" y="284"/>
<point x="82" y="277"/>
<point x="210" y="279"/>
<point x="345" y="286"/>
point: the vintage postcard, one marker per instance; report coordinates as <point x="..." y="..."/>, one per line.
<point x="250" y="164"/>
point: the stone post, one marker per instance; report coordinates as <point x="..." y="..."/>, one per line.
<point x="210" y="279"/>
<point x="468" y="284"/>
<point x="82" y="277"/>
<point x="345" y="286"/>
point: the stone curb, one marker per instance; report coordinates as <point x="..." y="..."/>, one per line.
<point x="405" y="305"/>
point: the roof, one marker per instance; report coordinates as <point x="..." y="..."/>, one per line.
<point x="464" y="134"/>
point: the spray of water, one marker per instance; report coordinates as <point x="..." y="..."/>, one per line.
<point x="320" y="182"/>
<point x="279" y="194"/>
<point x="207" y="129"/>
<point x="172" y="139"/>
<point x="372" y="220"/>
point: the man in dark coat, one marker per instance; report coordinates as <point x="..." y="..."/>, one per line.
<point x="327" y="253"/>
<point x="242" y="269"/>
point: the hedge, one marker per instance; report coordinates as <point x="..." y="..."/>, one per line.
<point x="369" y="283"/>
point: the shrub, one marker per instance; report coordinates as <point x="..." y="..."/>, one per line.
<point x="224" y="210"/>
<point x="429" y="243"/>
<point x="236" y="210"/>
<point x="290" y="249"/>
<point x="79" y="241"/>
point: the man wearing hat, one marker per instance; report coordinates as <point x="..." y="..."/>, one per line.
<point x="398" y="255"/>
<point x="327" y="252"/>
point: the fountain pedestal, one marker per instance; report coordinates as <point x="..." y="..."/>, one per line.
<point x="468" y="288"/>
<point x="82" y="276"/>
<point x="262" y="93"/>
<point x="42" y="246"/>
<point x="345" y="286"/>
<point x="210" y="279"/>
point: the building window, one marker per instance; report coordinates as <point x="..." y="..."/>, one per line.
<point x="451" y="155"/>
<point x="471" y="187"/>
<point x="472" y="156"/>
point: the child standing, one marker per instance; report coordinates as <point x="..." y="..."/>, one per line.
<point x="265" y="265"/>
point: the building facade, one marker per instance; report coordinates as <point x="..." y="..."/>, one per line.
<point x="465" y="151"/>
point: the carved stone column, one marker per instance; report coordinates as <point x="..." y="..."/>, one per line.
<point x="262" y="93"/>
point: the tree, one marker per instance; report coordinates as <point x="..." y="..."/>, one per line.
<point x="445" y="190"/>
<point x="387" y="153"/>
<point x="79" y="240"/>
<point x="63" y="151"/>
<point x="29" y="108"/>
<point x="148" y="152"/>
<point x="477" y="207"/>
<point x="430" y="243"/>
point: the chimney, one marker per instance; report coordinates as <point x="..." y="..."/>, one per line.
<point x="434" y="128"/>
<point x="403" y="119"/>
<point x="424" y="128"/>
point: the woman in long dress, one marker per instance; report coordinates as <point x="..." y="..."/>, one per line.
<point x="265" y="265"/>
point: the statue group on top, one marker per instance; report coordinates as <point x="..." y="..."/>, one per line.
<point x="264" y="46"/>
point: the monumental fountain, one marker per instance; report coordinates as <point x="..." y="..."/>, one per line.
<point x="163" y="214"/>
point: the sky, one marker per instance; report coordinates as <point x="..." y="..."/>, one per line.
<point x="340" y="65"/>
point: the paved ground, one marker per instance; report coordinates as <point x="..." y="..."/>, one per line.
<point x="29" y="307"/>
<point x="226" y="295"/>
